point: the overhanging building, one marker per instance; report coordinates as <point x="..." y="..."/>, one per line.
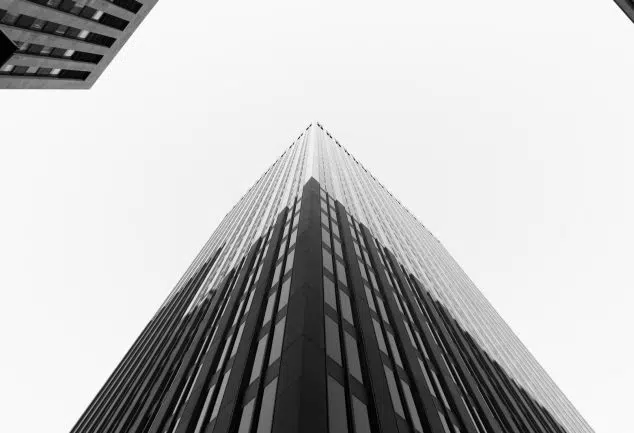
<point x="320" y="304"/>
<point x="63" y="44"/>
<point x="626" y="6"/>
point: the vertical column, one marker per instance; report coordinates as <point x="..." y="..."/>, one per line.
<point x="301" y="391"/>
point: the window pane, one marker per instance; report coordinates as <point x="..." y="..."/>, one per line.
<point x="276" y="276"/>
<point x="333" y="348"/>
<point x="396" y="400"/>
<point x="247" y="415"/>
<point x="370" y="299"/>
<point x="325" y="237"/>
<point x="382" y="310"/>
<point x="285" y="291"/>
<point x="361" y="421"/>
<point x="379" y="336"/>
<point x="346" y="311"/>
<point x="327" y="260"/>
<point x="269" y="309"/>
<point x="397" y="357"/>
<point x="221" y="393"/>
<point x="337" y="246"/>
<point x="429" y="385"/>
<point x="341" y="273"/>
<point x="352" y="352"/>
<point x="237" y="341"/>
<point x="268" y="404"/>
<point x="289" y="261"/>
<point x="329" y="293"/>
<point x="412" y="408"/>
<point x="278" y="336"/>
<point x="259" y="357"/>
<point x="337" y="419"/>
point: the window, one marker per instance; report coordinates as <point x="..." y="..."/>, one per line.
<point x="237" y="341"/>
<point x="409" y="400"/>
<point x="352" y="354"/>
<point x="325" y="237"/>
<point x="337" y="246"/>
<point x="361" y="421"/>
<point x="289" y="261"/>
<point x="346" y="311"/>
<point x="247" y="415"/>
<point x="327" y="260"/>
<point x="269" y="309"/>
<point x="444" y="422"/>
<point x="284" y="294"/>
<point x="278" y="337"/>
<point x="396" y="399"/>
<point x="221" y="393"/>
<point x="259" y="357"/>
<point x="379" y="336"/>
<point x="324" y="219"/>
<point x="329" y="293"/>
<point x="397" y="357"/>
<point x="341" y="273"/>
<point x="333" y="347"/>
<point x="268" y="404"/>
<point x="337" y="419"/>
<point x="368" y="295"/>
<point x="276" y="276"/>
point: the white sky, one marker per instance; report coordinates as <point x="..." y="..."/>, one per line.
<point x="506" y="127"/>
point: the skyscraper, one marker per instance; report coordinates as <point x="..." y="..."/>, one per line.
<point x="63" y="44"/>
<point x="320" y="304"/>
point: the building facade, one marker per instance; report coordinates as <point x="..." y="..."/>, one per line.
<point x="63" y="44"/>
<point x="320" y="304"/>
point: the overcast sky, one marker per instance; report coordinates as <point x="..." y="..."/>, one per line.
<point x="506" y="127"/>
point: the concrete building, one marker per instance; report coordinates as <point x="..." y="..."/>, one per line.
<point x="63" y="44"/>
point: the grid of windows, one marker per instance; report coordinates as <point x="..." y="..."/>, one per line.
<point x="52" y="35"/>
<point x="347" y="394"/>
<point x="82" y="10"/>
<point x="25" y="71"/>
<point x="420" y="252"/>
<point x="58" y="53"/>
<point x="40" y="25"/>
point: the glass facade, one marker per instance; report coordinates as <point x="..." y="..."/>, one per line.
<point x="321" y="305"/>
